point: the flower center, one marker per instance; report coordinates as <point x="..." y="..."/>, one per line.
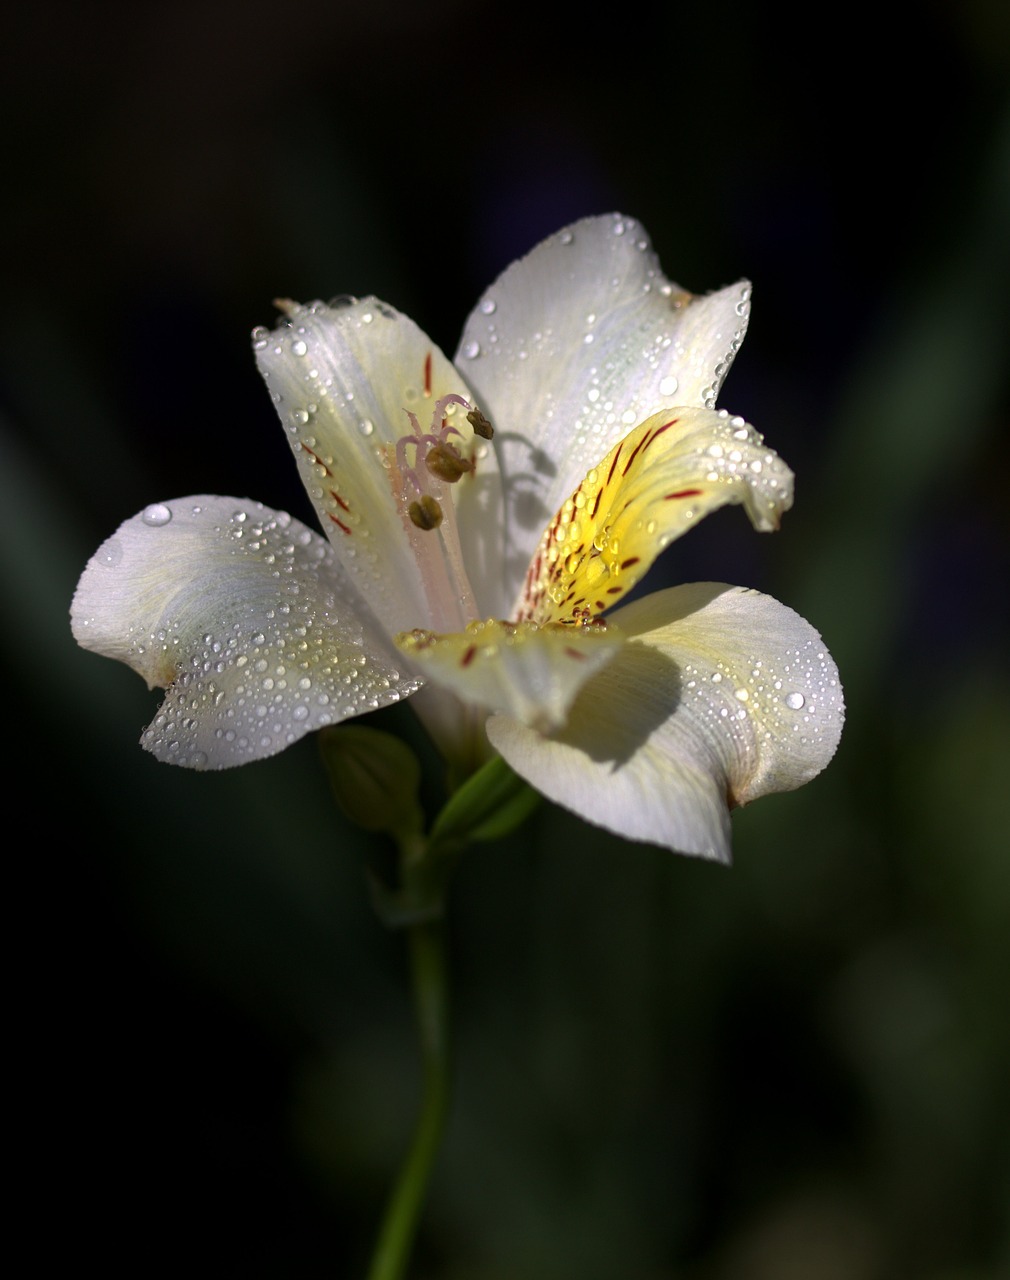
<point x="424" y="467"/>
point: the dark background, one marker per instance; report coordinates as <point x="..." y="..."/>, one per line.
<point x="793" y="1070"/>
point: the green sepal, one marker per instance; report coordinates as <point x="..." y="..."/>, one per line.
<point x="375" y="778"/>
<point x="491" y="803"/>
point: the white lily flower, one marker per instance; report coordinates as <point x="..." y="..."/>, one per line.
<point x="482" y="571"/>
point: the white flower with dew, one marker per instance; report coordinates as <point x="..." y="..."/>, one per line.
<point x="483" y="518"/>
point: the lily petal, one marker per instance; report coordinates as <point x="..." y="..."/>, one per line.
<point x="573" y="346"/>
<point x="244" y="615"/>
<point x="531" y="673"/>
<point x="343" y="378"/>
<point x="721" y="695"/>
<point x="654" y="485"/>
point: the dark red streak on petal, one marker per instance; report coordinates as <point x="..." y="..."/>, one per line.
<point x="316" y="458"/>
<point x="634" y="453"/>
<point x="339" y="500"/>
<point x="427" y="374"/>
<point x="339" y="523"/>
<point x="684" y="493"/>
<point x="610" y="473"/>
<point x="574" y="653"/>
<point x="467" y="657"/>
<point x="626" y="564"/>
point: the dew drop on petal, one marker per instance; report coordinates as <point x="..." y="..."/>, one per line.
<point x="668" y="386"/>
<point x="109" y="553"/>
<point x="794" y="701"/>
<point x="156" y="515"/>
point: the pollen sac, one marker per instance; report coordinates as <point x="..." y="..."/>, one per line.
<point x="444" y="461"/>
<point x="480" y="424"/>
<point x="425" y="513"/>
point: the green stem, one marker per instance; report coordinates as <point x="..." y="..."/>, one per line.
<point x="431" y="1001"/>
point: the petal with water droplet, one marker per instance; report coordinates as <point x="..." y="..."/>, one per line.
<point x="653" y="486"/>
<point x="692" y="719"/>
<point x="343" y="380"/>
<point x="530" y="672"/>
<point x="560" y="403"/>
<point x="245" y="617"/>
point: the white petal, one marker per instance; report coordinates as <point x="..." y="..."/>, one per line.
<point x="725" y="695"/>
<point x="244" y="615"/>
<point x="529" y="672"/>
<point x="343" y="378"/>
<point x="573" y="346"/>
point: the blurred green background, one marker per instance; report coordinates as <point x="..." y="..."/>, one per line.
<point x="793" y="1070"/>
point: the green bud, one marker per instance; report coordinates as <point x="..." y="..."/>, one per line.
<point x="375" y="778"/>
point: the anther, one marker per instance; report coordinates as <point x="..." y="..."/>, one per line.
<point x="426" y="513"/>
<point x="444" y="461"/>
<point x="480" y="424"/>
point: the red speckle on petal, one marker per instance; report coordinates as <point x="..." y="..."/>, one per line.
<point x="684" y="493"/>
<point x="468" y="656"/>
<point x="574" y="653"/>
<point x="427" y="374"/>
<point x="339" y="523"/>
<point x="338" y="499"/>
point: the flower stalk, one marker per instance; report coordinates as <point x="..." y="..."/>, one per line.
<point x="430" y="984"/>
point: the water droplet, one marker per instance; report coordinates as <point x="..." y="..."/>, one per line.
<point x="110" y="553"/>
<point x="794" y="701"/>
<point x="668" y="386"/>
<point x="489" y="306"/>
<point x="156" y="515"/>
<point x="471" y="350"/>
<point x="298" y="348"/>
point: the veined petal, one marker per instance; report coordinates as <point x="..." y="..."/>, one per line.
<point x="529" y="672"/>
<point x="343" y="378"/>
<point x="571" y="347"/>
<point x="656" y="483"/>
<point x="721" y="695"/>
<point x="244" y="615"/>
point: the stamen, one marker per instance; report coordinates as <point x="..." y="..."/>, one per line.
<point x="426" y="505"/>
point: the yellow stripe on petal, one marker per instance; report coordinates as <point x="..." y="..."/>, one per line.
<point x="529" y="672"/>
<point x="661" y="479"/>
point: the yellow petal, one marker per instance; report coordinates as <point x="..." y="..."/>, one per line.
<point x="661" y="479"/>
<point x="529" y="672"/>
